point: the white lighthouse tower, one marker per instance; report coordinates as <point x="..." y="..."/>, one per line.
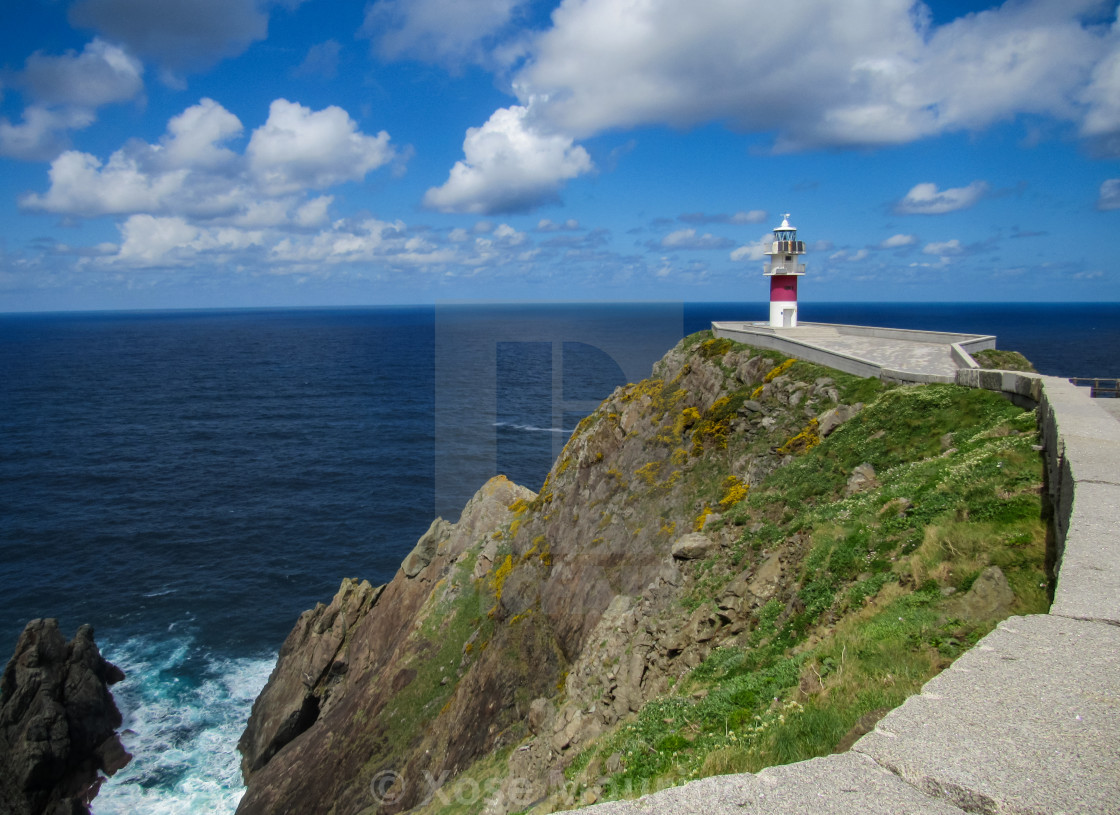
<point x="783" y="271"/>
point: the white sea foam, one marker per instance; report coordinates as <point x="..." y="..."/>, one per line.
<point x="531" y="428"/>
<point x="183" y="714"/>
<point x="162" y="593"/>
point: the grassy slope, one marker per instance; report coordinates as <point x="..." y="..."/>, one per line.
<point x="874" y="610"/>
<point x="869" y="624"/>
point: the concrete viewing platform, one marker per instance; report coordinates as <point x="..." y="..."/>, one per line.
<point x="893" y="354"/>
<point x="1028" y="720"/>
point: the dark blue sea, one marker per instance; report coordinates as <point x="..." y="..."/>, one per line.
<point x="190" y="481"/>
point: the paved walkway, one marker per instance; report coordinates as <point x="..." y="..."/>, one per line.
<point x="1111" y="406"/>
<point x="897" y="354"/>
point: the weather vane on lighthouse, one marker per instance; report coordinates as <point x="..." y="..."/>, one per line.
<point x="783" y="271"/>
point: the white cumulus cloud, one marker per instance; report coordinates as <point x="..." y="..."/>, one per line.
<point x="898" y="241"/>
<point x="41" y="134"/>
<point x="548" y="225"/>
<point x="1109" y="194"/>
<point x="195" y="136"/>
<point x="944" y="249"/>
<point x="927" y="199"/>
<point x="753" y="251"/>
<point x="738" y="218"/>
<point x="80" y="184"/>
<point x="65" y="92"/>
<point x="147" y="239"/>
<point x="508" y="166"/>
<point x="817" y="73"/>
<point x="690" y="239"/>
<point x="101" y="74"/>
<point x="298" y="148"/>
<point x="191" y="173"/>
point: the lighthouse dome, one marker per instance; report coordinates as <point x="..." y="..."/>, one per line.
<point x="785" y="225"/>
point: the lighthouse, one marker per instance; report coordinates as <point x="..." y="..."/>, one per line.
<point x="783" y="271"/>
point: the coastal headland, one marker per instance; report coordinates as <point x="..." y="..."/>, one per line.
<point x="744" y="561"/>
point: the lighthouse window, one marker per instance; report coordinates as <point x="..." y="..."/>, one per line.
<point x="789" y="257"/>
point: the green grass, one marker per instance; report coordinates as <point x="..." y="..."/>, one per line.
<point x="1003" y="360"/>
<point x="450" y="619"/>
<point x="959" y="490"/>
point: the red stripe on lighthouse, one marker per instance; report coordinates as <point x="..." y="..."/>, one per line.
<point x="783" y="288"/>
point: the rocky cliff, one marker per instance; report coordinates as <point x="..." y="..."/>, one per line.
<point x="504" y="665"/>
<point x="58" y="723"/>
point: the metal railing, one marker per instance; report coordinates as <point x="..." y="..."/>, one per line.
<point x="1099" y="388"/>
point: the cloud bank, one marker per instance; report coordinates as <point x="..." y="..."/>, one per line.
<point x="819" y="74"/>
<point x="65" y="92"/>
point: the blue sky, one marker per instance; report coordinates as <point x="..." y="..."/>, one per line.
<point x="210" y="153"/>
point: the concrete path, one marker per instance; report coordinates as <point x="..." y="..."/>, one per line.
<point x="1111" y="406"/>
<point x="900" y="355"/>
<point x="896" y="354"/>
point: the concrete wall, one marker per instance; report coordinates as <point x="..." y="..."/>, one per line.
<point x="802" y="346"/>
<point x="1082" y="448"/>
<point x="802" y="349"/>
<point x="1028" y="721"/>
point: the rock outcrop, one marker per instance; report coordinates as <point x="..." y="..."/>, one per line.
<point x="357" y="679"/>
<point x="537" y="619"/>
<point x="58" y="723"/>
<point x="688" y="522"/>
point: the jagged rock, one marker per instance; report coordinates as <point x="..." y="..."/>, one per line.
<point x="386" y="648"/>
<point x="694" y="546"/>
<point x="862" y="478"/>
<point x="485" y="559"/>
<point x="520" y="592"/>
<point x="425" y="548"/>
<point x="582" y="603"/>
<point x="751" y="406"/>
<point x="752" y="588"/>
<point x="754" y="369"/>
<point x="58" y="723"/>
<point x="567" y="727"/>
<point x="292" y="700"/>
<point x="990" y="596"/>
<point x="541" y="713"/>
<point x="670" y="574"/>
<point x="524" y="782"/>
<point x="832" y="419"/>
<point x="765" y="581"/>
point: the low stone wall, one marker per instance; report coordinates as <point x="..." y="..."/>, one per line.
<point x="1028" y="721"/>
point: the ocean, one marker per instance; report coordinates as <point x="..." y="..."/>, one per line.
<point x="189" y="481"/>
